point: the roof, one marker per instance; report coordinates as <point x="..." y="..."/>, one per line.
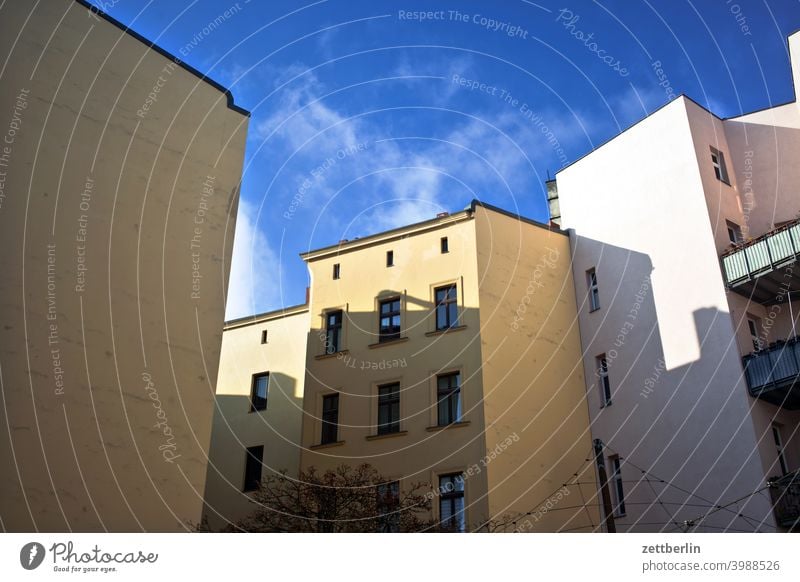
<point x="229" y="96"/>
<point x="266" y="316"/>
<point x="418" y="228"/>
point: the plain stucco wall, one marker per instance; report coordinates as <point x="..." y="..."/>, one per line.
<point x="680" y="406"/>
<point x="137" y="352"/>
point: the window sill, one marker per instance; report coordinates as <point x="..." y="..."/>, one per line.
<point x="326" y="445"/>
<point x="388" y="343"/>
<point x="445" y="330"/>
<point x="388" y="435"/>
<point x="446" y="426"/>
<point x="333" y="355"/>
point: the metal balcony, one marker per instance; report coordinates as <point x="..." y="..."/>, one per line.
<point x="762" y="269"/>
<point x="773" y="374"/>
<point x="785" y="493"/>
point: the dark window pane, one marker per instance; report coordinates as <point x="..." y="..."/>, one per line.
<point x="389" y="408"/>
<point x="389" y="320"/>
<point x="330" y="418"/>
<point x="254" y="458"/>
<point x="448" y="399"/>
<point x="451" y="502"/>
<point x="258" y="392"/>
<point x="446" y="307"/>
<point x="388" y="505"/>
<point x="333" y="332"/>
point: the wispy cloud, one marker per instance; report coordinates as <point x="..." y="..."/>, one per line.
<point x="252" y="259"/>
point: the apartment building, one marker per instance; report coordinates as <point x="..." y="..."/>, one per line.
<point x="448" y="353"/>
<point x="120" y="181"/>
<point x="259" y="409"/>
<point x="685" y="233"/>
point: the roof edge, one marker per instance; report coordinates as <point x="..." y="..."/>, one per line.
<point x="266" y="316"/>
<point x="163" y="52"/>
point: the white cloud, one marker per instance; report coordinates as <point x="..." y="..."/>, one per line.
<point x="253" y="261"/>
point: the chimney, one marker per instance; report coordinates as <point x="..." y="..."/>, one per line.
<point x="552" y="202"/>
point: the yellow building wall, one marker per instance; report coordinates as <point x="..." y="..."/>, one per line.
<point x="117" y="229"/>
<point x="236" y="428"/>
<point x="537" y="422"/>
<point x="417" y="454"/>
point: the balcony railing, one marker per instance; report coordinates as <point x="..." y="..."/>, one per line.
<point x="763" y="257"/>
<point x="785" y="493"/>
<point x="773" y="374"/>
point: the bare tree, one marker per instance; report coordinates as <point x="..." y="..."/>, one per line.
<point x="345" y="499"/>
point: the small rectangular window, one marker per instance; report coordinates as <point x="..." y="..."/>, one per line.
<point x="776" y="436"/>
<point x="333" y="332"/>
<point x="753" y="325"/>
<point x="388" y="507"/>
<point x="389" y="319"/>
<point x="254" y="461"/>
<point x="448" y="397"/>
<point x="734" y="232"/>
<point x="446" y="307"/>
<point x="330" y="419"/>
<point x="389" y="408"/>
<point x="390" y="258"/>
<point x="594" y="292"/>
<point x="258" y="392"/>
<point x="605" y="383"/>
<point x="336" y="271"/>
<point x="264" y="336"/>
<point x="619" y="491"/>
<point x="444" y="245"/>
<point x="718" y="161"/>
<point x="451" y="502"/>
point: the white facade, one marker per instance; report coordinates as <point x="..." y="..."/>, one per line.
<point x="649" y="213"/>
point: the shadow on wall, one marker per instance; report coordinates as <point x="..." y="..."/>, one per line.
<point x="237" y="427"/>
<point x="687" y="428"/>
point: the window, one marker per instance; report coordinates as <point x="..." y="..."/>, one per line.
<point x="446" y="307"/>
<point x="330" y="419"/>
<point x="619" y="492"/>
<point x="451" y="502"/>
<point x="333" y="332"/>
<point x="718" y="161"/>
<point x="264" y="336"/>
<point x="388" y="506"/>
<point x="336" y="271"/>
<point x="734" y="232"/>
<point x="389" y="319"/>
<point x="444" y="245"/>
<point x="389" y="408"/>
<point x="753" y="324"/>
<point x="253" y="461"/>
<point x="258" y="392"/>
<point x="776" y="436"/>
<point x="594" y="293"/>
<point x="605" y="383"/>
<point x="448" y="392"/>
<point x="390" y="258"/>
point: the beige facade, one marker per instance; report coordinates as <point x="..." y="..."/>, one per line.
<point x="511" y="347"/>
<point x="272" y="344"/>
<point x="121" y="171"/>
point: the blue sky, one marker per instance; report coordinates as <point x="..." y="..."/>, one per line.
<point x="365" y="116"/>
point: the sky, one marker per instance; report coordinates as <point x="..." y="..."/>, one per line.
<point x="369" y="115"/>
